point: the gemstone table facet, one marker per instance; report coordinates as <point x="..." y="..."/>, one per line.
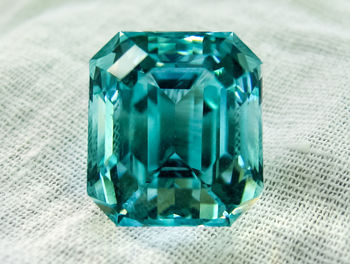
<point x="175" y="133"/>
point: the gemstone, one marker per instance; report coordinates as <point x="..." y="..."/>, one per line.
<point x="175" y="132"/>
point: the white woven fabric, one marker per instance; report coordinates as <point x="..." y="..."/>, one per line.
<point x="304" y="213"/>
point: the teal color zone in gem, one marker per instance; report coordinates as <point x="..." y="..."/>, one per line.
<point x="175" y="133"/>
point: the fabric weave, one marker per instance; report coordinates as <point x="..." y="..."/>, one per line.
<point x="45" y="213"/>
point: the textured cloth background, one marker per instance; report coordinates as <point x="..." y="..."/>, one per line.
<point x="46" y="215"/>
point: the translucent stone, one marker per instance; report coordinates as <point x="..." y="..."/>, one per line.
<point x="175" y="128"/>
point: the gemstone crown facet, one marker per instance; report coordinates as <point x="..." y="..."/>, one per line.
<point x="175" y="133"/>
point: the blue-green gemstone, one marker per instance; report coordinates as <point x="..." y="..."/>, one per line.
<point x="175" y="128"/>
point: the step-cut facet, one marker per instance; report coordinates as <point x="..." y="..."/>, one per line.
<point x="175" y="132"/>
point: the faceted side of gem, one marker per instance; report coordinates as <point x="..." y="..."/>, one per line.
<point x="175" y="133"/>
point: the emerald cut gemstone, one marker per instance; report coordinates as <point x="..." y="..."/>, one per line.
<point x="175" y="128"/>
